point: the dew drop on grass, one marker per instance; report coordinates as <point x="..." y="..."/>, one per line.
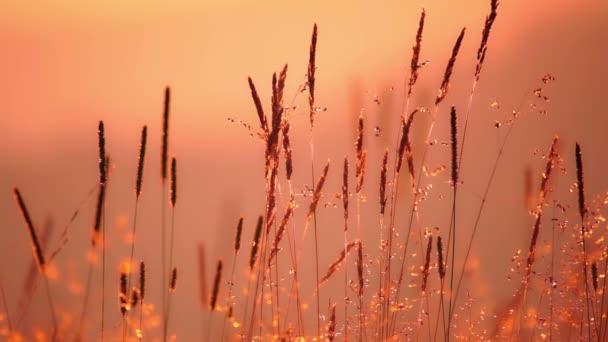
<point x="377" y="131"/>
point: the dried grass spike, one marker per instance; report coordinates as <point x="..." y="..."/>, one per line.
<point x="335" y="266"/>
<point x="454" y="143"/>
<point x="312" y="67"/>
<point x="102" y="153"/>
<point x="142" y="280"/>
<point x="582" y="207"/>
<point x="36" y="247"/>
<point x="123" y="295"/>
<point x="317" y="193"/>
<point x="427" y="264"/>
<point x="281" y="231"/>
<point x="345" y="193"/>
<point x="485" y="35"/>
<point x="331" y="327"/>
<point x="256" y="243"/>
<point x="445" y="84"/>
<point x="440" y="264"/>
<point x="405" y="137"/>
<point x="216" y="285"/>
<point x="383" y="196"/>
<point x="287" y="150"/>
<point x="237" y="238"/>
<point x="101" y="195"/>
<point x="135" y="297"/>
<point x="173" y="284"/>
<point x="258" y="106"/>
<point x="414" y="65"/>
<point x="173" y="182"/>
<point x="165" y="136"/>
<point x="360" y="155"/>
<point x="140" y="164"/>
<point x="594" y="277"/>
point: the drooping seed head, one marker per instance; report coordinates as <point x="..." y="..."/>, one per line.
<point x="36" y="247"/>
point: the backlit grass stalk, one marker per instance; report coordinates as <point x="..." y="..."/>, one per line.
<point x="544" y="189"/>
<point x="454" y="181"/>
<point x="214" y="296"/>
<point x="38" y="257"/>
<point x="173" y="196"/>
<point x="414" y="72"/>
<point x="138" y="185"/>
<point x="98" y="226"/>
<point x="442" y="93"/>
<point x="237" y="247"/>
<point x="582" y="209"/>
<point x="164" y="155"/>
<point x="311" y="79"/>
<point x="345" y="195"/>
<point x="484" y="201"/>
<point x="481" y="56"/>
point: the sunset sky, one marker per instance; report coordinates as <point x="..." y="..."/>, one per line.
<point x="65" y="65"/>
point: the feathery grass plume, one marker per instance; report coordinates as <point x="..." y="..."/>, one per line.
<point x="383" y="196"/>
<point x="405" y="137"/>
<point x="335" y="266"/>
<point x="331" y="327"/>
<point x="414" y="65"/>
<point x="360" y="266"/>
<point x="551" y="160"/>
<point x="277" y="239"/>
<point x="360" y="155"/>
<point x="216" y="285"/>
<point x="36" y="247"/>
<point x="258" y="106"/>
<point x="165" y="137"/>
<point x="485" y="35"/>
<point x="445" y="84"/>
<point x="345" y="192"/>
<point x="312" y="67"/>
<point x="287" y="150"/>
<point x="142" y="280"/>
<point x="173" y="284"/>
<point x="202" y="275"/>
<point x="594" y="276"/>
<point x="272" y="146"/>
<point x="582" y="207"/>
<point x="123" y="294"/>
<point x="427" y="263"/>
<point x="173" y="182"/>
<point x="140" y="164"/>
<point x="237" y="237"/>
<point x="454" y="143"/>
<point x="317" y="193"/>
<point x="256" y="243"/>
<point x="440" y="264"/>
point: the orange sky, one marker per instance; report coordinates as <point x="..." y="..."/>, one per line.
<point x="67" y="64"/>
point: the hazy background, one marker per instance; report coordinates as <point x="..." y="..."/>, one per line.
<point x="66" y="65"/>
